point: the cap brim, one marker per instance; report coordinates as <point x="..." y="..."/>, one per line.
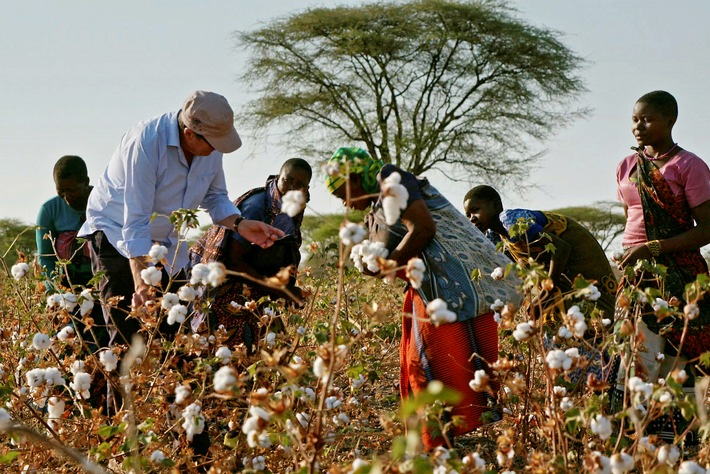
<point x="226" y="143"/>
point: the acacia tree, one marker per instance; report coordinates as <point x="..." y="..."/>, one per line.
<point x="605" y="220"/>
<point x="462" y="87"/>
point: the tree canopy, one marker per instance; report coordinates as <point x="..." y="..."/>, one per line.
<point x="465" y="87"/>
<point x="605" y="220"/>
<point x="16" y="236"/>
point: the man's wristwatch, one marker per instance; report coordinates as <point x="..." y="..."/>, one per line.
<point x="237" y="221"/>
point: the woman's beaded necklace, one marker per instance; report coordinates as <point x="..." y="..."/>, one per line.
<point x="659" y="157"/>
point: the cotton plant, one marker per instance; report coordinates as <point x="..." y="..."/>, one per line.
<point x="157" y="253"/>
<point x="86" y="302"/>
<point x="365" y="255"/>
<point x="575" y="323"/>
<point x="563" y="360"/>
<point x="193" y="420"/>
<point x="151" y="276"/>
<point x="182" y="394"/>
<point x="223" y="354"/>
<point x="321" y="364"/>
<point x="109" y="360"/>
<point x="19" y="270"/>
<point x="187" y="293"/>
<point x="224" y="379"/>
<point x="524" y="331"/>
<point x="177" y="314"/>
<point x="293" y="203"/>
<point x="212" y="273"/>
<point x="254" y="427"/>
<point x="601" y="426"/>
<point x="479" y="383"/>
<point x="668" y="454"/>
<point x="498" y="273"/>
<point x="591" y="293"/>
<point x="474" y="460"/>
<point x="157" y="457"/>
<point x="81" y="385"/>
<point x="41" y="341"/>
<point x="55" y="411"/>
<point x="169" y="300"/>
<point x="415" y="272"/>
<point x="621" y="463"/>
<point x="394" y="198"/>
<point x="66" y="334"/>
<point x="439" y="313"/>
<point x="351" y="233"/>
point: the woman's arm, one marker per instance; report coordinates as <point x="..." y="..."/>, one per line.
<point x="420" y="231"/>
<point x="694" y="238"/>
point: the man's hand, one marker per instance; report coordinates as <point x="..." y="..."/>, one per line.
<point x="259" y="233"/>
<point x="141" y="294"/>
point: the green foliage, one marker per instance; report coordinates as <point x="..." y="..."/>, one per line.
<point x="19" y="236"/>
<point x="324" y="228"/>
<point x="420" y="84"/>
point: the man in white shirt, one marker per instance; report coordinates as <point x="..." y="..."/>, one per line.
<point x="171" y="162"/>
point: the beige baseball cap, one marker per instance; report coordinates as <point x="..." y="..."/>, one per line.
<point x="210" y="115"/>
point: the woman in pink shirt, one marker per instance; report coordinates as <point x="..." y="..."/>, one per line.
<point x="666" y="195"/>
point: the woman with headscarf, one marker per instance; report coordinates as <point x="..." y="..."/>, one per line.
<point x="450" y="247"/>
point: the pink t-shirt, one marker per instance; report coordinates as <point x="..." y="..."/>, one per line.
<point x="689" y="179"/>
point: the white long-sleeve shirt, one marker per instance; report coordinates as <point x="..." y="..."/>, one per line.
<point x="149" y="174"/>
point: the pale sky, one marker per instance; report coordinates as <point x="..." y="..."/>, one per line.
<point x="75" y="75"/>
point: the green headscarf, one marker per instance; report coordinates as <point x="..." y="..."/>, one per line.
<point x="354" y="160"/>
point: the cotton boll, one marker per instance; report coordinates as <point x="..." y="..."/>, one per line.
<point x="439" y="313"/>
<point x="182" y="393"/>
<point x="415" y="272"/>
<point x="224" y="379"/>
<point x="86" y="304"/>
<point x="293" y="203"/>
<point x="54" y="300"/>
<point x="41" y="341"/>
<point x="169" y="300"/>
<point x="194" y="421"/>
<point x="591" y="293"/>
<point x="81" y="385"/>
<point x="69" y="301"/>
<point x="19" y="270"/>
<point x="151" y="276"/>
<point x="223" y="354"/>
<point x="187" y="293"/>
<point x="351" y="233"/>
<point x="55" y="408"/>
<point x="601" y="426"/>
<point x="78" y="366"/>
<point x="200" y="274"/>
<point x="524" y="331"/>
<point x="109" y="360"/>
<point x="52" y="377"/>
<point x="217" y="275"/>
<point x="66" y="334"/>
<point x="668" y="454"/>
<point x="621" y="463"/>
<point x="498" y="273"/>
<point x="177" y="314"/>
<point x="157" y="253"/>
